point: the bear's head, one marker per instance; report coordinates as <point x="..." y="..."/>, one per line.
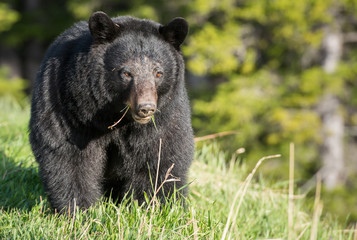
<point x="142" y="61"/>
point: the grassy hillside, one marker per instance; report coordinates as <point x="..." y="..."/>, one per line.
<point x="225" y="202"/>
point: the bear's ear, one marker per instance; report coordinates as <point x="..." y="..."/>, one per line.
<point x="175" y="31"/>
<point x="102" y="28"/>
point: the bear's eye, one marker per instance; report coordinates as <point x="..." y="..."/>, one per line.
<point x="125" y="75"/>
<point x="159" y="74"/>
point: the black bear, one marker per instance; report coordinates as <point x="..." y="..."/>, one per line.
<point x="90" y="74"/>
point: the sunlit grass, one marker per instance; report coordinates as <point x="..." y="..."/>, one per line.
<point x="225" y="201"/>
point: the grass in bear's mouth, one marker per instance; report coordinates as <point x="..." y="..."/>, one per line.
<point x="117" y="122"/>
<point x="126" y="109"/>
<point x="153" y="121"/>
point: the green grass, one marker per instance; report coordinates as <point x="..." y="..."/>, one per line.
<point x="224" y="201"/>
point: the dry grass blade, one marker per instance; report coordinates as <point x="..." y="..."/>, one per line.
<point x="302" y="232"/>
<point x="317" y="209"/>
<point x="291" y="193"/>
<point x="153" y="200"/>
<point x="117" y="122"/>
<point x="156" y="191"/>
<point x="158" y="165"/>
<point x="215" y="135"/>
<point x="194" y="225"/>
<point x="243" y="190"/>
<point x="86" y="228"/>
<point x="166" y="180"/>
<point x="120" y="231"/>
<point x="73" y="217"/>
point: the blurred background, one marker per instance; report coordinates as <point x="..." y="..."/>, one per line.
<point x="274" y="72"/>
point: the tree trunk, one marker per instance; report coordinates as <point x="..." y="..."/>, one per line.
<point x="333" y="166"/>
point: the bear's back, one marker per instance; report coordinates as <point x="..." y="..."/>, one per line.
<point x="73" y="40"/>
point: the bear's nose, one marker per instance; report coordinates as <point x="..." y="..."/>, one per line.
<point x="146" y="109"/>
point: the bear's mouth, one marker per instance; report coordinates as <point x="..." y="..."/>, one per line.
<point x="141" y="120"/>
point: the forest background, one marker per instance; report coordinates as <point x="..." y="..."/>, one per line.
<point x="268" y="72"/>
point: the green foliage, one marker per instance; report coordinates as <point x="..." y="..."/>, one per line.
<point x="82" y="9"/>
<point x="212" y="50"/>
<point x="271" y="90"/>
<point x="277" y="31"/>
<point x="262" y="214"/>
<point x="144" y="11"/>
<point x="41" y="24"/>
<point x="14" y="87"/>
<point x="286" y="28"/>
<point x="245" y="93"/>
<point x="263" y="123"/>
<point x="268" y="54"/>
<point x="288" y="20"/>
<point x="7" y="17"/>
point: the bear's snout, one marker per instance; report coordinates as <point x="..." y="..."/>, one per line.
<point x="143" y="100"/>
<point x="143" y="112"/>
<point x="146" y="109"/>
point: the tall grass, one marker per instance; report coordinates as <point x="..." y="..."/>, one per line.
<point x="225" y="201"/>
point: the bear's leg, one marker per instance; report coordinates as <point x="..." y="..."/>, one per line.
<point x="72" y="178"/>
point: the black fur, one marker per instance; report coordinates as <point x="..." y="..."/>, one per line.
<point x="89" y="74"/>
